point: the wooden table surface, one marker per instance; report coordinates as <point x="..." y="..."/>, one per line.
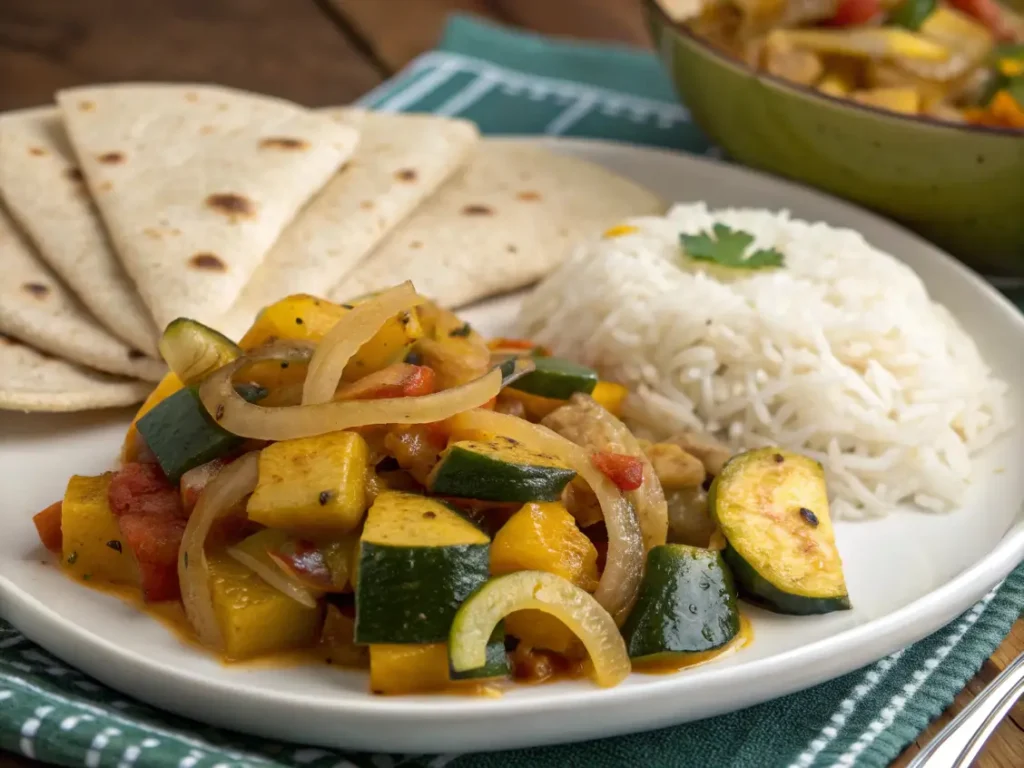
<point x="317" y="52"/>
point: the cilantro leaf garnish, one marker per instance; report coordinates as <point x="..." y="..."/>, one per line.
<point x="727" y="247"/>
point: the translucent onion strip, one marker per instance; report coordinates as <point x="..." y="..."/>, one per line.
<point x="274" y="576"/>
<point x="236" y="481"/>
<point x="617" y="589"/>
<point x="348" y="335"/>
<point x="242" y="418"/>
<point x="551" y="594"/>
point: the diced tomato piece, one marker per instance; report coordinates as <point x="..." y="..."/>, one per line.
<point x="195" y="480"/>
<point x="627" y="472"/>
<point x="48" y="526"/>
<point x="851" y="13"/>
<point x="398" y="380"/>
<point x="152" y="521"/>
<point x="502" y="343"/>
<point x="988" y="13"/>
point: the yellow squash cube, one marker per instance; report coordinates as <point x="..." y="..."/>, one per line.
<point x="256" y="619"/>
<point x="544" y="537"/>
<point x="408" y="668"/>
<point x="93" y="547"/>
<point x="168" y="385"/>
<point x="314" y="483"/>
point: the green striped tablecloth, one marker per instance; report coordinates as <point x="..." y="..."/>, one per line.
<point x="515" y="83"/>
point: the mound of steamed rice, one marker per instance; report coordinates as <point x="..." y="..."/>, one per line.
<point x="839" y="354"/>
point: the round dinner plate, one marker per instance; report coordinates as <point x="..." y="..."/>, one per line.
<point x="908" y="573"/>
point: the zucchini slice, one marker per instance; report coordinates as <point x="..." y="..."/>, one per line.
<point x="181" y="434"/>
<point x="687" y="604"/>
<point x="772" y="507"/>
<point x="497" y="664"/>
<point x="524" y="590"/>
<point x="499" y="469"/>
<point x="193" y="350"/>
<point x="418" y="560"/>
<point x="557" y="378"/>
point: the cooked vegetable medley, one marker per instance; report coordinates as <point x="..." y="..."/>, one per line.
<point x="955" y="60"/>
<point x="377" y="484"/>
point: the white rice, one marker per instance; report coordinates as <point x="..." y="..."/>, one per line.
<point x="840" y="354"/>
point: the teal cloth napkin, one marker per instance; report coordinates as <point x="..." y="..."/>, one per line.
<point x="517" y="83"/>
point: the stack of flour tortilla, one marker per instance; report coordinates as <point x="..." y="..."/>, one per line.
<point x="123" y="207"/>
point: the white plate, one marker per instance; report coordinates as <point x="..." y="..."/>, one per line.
<point x="908" y="574"/>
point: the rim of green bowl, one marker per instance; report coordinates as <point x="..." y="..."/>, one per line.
<point x="801" y="90"/>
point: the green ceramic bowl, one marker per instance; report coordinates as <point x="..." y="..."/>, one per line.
<point x="961" y="187"/>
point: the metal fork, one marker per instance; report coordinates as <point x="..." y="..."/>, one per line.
<point x="961" y="740"/>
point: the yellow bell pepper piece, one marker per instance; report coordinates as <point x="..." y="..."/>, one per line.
<point x="872" y="43"/>
<point x="1011" y="67"/>
<point x="610" y="396"/>
<point x="93" y="547"/>
<point x="904" y="100"/>
<point x="168" y="385"/>
<point x="314" y="483"/>
<point x="255" y="619"/>
<point x="544" y="537"/>
<point x="620" y="230"/>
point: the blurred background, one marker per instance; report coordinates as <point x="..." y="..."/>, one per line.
<point x="316" y="52"/>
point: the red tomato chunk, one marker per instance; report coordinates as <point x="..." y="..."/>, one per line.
<point x="627" y="472"/>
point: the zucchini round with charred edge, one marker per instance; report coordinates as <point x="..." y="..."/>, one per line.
<point x="557" y="378"/>
<point x="418" y="560"/>
<point x="499" y="469"/>
<point x="193" y="350"/>
<point x="687" y="604"/>
<point x="772" y="507"/>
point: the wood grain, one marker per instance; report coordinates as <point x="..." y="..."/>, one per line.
<point x="280" y="47"/>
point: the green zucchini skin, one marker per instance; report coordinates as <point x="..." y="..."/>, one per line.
<point x="557" y="378"/>
<point x="467" y="474"/>
<point x="411" y="594"/>
<point x="193" y="350"/>
<point x="687" y="604"/>
<point x="497" y="659"/>
<point x="802" y="533"/>
<point x="182" y="435"/>
<point x="758" y="590"/>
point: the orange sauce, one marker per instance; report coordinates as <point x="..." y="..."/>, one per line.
<point x="670" y="666"/>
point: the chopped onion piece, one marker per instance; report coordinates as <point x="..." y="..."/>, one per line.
<point x="620" y="581"/>
<point x="537" y="590"/>
<point x="348" y="335"/>
<point x="274" y="576"/>
<point x="236" y="415"/>
<point x="232" y="484"/>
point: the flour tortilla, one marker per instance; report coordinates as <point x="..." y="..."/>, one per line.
<point x="46" y="194"/>
<point x="507" y="220"/>
<point x="32" y="381"/>
<point x="196" y="182"/>
<point x="36" y="308"/>
<point x="400" y="161"/>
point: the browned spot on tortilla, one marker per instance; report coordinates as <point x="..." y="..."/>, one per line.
<point x="6" y="339"/>
<point x="231" y="205"/>
<point x="283" y="142"/>
<point x="529" y="196"/>
<point x="207" y="261"/>
<point x="366" y="205"/>
<point x="192" y="96"/>
<point x="37" y="151"/>
<point x="406" y="174"/>
<point x="152" y="232"/>
<point x="174" y="232"/>
<point x="111" y="158"/>
<point x="86" y="106"/>
<point x="563" y="232"/>
<point x="105" y="186"/>
<point x="478" y="210"/>
<point x="36" y="289"/>
<point x="206" y="130"/>
<point x="223" y="107"/>
<point x="134" y="354"/>
<point x="75" y="174"/>
<point x="346" y="166"/>
<point x="511" y="248"/>
<point x="415" y="244"/>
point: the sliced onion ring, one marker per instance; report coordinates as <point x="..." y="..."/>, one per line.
<point x="348" y="335"/>
<point x="551" y="594"/>
<point x="620" y="581"/>
<point x="244" y="419"/>
<point x="236" y="481"/>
